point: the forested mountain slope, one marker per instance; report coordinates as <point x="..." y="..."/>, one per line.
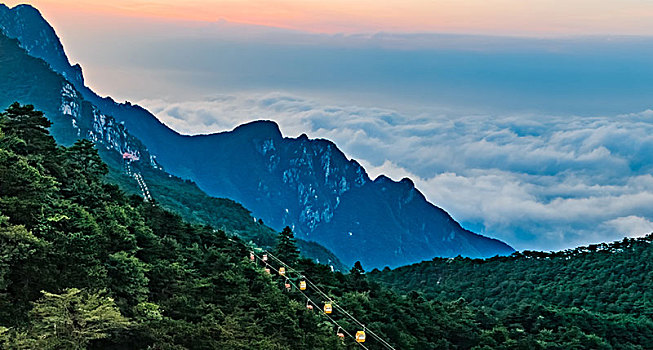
<point x="614" y="278"/>
<point x="130" y="274"/>
<point x="307" y="184"/>
<point x="586" y="286"/>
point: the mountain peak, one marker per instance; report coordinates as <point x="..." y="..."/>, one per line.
<point x="259" y="129"/>
<point x="382" y="179"/>
<point x="26" y="8"/>
<point x="408" y="182"/>
<point x="27" y="13"/>
<point x="25" y="23"/>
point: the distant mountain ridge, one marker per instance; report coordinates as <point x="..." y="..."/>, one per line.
<point x="608" y="278"/>
<point x="312" y="186"/>
<point x="307" y="184"/>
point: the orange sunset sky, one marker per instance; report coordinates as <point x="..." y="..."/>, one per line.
<point x="499" y="17"/>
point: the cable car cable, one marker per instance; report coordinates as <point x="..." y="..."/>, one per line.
<point x="307" y="279"/>
<point x="316" y="305"/>
<point x="333" y="302"/>
<point x="290" y="269"/>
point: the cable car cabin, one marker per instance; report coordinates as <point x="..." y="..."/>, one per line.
<point x="310" y="307"/>
<point x="265" y="257"/>
<point x="360" y="336"/>
<point x="327" y="308"/>
<point x="251" y="256"/>
<point x="340" y="334"/>
<point x="287" y="286"/>
<point x="302" y="285"/>
<point x="267" y="269"/>
<point x="282" y="271"/>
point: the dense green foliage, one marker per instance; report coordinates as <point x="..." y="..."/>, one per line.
<point x="286" y="248"/>
<point x="83" y="265"/>
<point x="604" y="290"/>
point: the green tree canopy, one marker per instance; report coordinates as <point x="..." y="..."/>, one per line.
<point x="72" y="319"/>
<point x="286" y="248"/>
<point x="26" y="130"/>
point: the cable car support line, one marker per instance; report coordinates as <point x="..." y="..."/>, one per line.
<point x="333" y="302"/>
<point x="309" y="299"/>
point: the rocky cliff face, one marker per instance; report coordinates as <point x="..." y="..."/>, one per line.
<point x="315" y="172"/>
<point x="307" y="184"/>
<point x="311" y="186"/>
<point x="34" y="34"/>
<point x="39" y="39"/>
<point x="89" y="122"/>
<point x="30" y="80"/>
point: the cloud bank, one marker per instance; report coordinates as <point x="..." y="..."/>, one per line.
<point x="535" y="181"/>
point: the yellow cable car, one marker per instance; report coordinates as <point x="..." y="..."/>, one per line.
<point x="360" y="336"/>
<point x="327" y="308"/>
<point x="302" y="285"/>
<point x="282" y="271"/>
<point x="265" y="257"/>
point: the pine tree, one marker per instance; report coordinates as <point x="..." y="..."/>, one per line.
<point x="357" y="269"/>
<point x="85" y="170"/>
<point x="71" y="320"/>
<point x="357" y="277"/>
<point x="24" y="190"/>
<point x="286" y="249"/>
<point x="20" y="255"/>
<point x="26" y="130"/>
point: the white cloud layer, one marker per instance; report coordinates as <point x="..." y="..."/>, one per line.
<point x="536" y="182"/>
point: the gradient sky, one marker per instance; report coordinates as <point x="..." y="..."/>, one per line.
<point x="503" y="17"/>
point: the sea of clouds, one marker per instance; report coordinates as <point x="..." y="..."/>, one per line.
<point x="535" y="181"/>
